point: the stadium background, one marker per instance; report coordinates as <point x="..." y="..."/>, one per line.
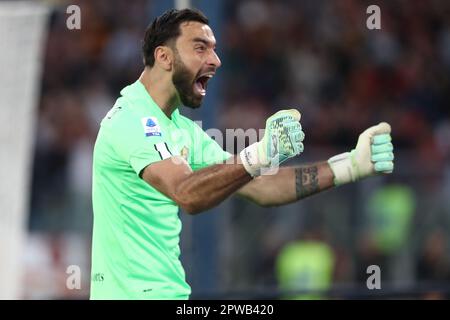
<point x="315" y="55"/>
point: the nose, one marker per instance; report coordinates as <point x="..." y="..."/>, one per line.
<point x="214" y="60"/>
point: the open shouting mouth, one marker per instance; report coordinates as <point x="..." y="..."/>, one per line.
<point x="201" y="83"/>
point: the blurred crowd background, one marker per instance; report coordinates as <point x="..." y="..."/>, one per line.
<point x="317" y="56"/>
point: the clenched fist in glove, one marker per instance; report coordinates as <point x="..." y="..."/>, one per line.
<point x="374" y="154"/>
<point x="282" y="140"/>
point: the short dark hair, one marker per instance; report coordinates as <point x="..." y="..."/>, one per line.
<point x="165" y="28"/>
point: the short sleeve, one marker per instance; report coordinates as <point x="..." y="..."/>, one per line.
<point x="134" y="144"/>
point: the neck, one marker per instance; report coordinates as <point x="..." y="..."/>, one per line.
<point x="160" y="87"/>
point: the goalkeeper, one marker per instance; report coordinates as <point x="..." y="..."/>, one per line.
<point x="143" y="172"/>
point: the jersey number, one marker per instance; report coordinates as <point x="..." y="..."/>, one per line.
<point x="163" y="150"/>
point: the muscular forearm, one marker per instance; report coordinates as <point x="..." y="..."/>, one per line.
<point x="311" y="179"/>
<point x="289" y="184"/>
<point x="205" y="188"/>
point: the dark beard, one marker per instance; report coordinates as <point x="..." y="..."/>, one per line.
<point x="183" y="81"/>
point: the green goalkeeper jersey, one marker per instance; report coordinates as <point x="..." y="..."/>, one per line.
<point x="135" y="245"/>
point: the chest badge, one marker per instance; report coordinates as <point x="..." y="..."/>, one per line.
<point x="184" y="153"/>
<point x="151" y="127"/>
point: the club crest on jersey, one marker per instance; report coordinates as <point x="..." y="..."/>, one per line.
<point x="151" y="127"/>
<point x="184" y="152"/>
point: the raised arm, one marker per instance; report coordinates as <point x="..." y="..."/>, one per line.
<point x="195" y="191"/>
<point x="200" y="190"/>
<point x="373" y="155"/>
<point x="289" y="184"/>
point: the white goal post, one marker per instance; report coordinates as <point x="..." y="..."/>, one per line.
<point x="23" y="28"/>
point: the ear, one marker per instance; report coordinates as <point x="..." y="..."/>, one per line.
<point x="164" y="57"/>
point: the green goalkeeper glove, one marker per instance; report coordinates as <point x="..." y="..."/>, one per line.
<point x="282" y="140"/>
<point x="373" y="155"/>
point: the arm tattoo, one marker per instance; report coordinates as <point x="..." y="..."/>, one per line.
<point x="306" y="181"/>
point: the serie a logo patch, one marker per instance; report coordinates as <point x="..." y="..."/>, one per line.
<point x="151" y="127"/>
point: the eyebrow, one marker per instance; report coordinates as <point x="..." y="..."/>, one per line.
<point x="204" y="41"/>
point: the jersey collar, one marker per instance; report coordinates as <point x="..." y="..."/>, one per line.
<point x="141" y="97"/>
